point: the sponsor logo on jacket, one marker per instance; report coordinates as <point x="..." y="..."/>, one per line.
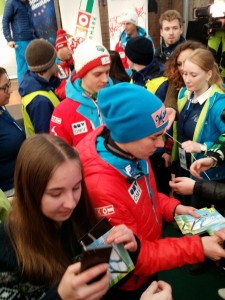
<point x="79" y="127"/>
<point x="105" y="210"/>
<point x="135" y="191"/>
<point x="56" y="120"/>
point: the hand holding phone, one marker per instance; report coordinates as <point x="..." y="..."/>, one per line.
<point x="95" y="256"/>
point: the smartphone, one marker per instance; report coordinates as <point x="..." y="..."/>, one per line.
<point x="95" y="256"/>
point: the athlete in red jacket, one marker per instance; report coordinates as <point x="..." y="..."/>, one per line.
<point x="122" y="186"/>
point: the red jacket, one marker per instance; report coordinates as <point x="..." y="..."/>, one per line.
<point x="112" y="198"/>
<point x="75" y="116"/>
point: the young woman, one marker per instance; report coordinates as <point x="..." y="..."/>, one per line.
<point x="11" y="137"/>
<point x="50" y="212"/>
<point x="174" y="72"/>
<point x="200" y="105"/>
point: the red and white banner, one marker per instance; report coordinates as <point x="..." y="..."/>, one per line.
<point x="81" y="19"/>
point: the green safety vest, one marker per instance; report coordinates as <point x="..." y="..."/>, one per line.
<point x="152" y="85"/>
<point x="26" y="100"/>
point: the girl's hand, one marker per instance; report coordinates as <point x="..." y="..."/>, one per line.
<point x="201" y="165"/>
<point x="191" y="147"/>
<point x="75" y="285"/>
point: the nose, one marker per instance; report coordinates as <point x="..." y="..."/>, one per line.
<point x="159" y="143"/>
<point x="105" y="77"/>
<point x="186" y="78"/>
<point x="69" y="202"/>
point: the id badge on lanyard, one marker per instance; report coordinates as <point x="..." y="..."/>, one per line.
<point x="182" y="158"/>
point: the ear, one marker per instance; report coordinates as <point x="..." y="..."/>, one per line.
<point x="209" y="75"/>
<point x="181" y="29"/>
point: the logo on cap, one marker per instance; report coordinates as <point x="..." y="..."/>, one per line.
<point x="105" y="60"/>
<point x="160" y="117"/>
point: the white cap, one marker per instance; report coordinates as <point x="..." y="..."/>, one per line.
<point x="130" y="17"/>
<point x="88" y="55"/>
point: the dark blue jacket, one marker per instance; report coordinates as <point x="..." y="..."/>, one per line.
<point x="163" y="53"/>
<point x="151" y="71"/>
<point x="17" y="22"/>
<point x="11" y="138"/>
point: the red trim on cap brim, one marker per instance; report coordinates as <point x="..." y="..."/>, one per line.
<point x="91" y="65"/>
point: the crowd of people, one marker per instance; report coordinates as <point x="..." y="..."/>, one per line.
<point x="134" y="135"/>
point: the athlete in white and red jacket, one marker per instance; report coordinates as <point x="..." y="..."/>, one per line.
<point x="78" y="113"/>
<point x="122" y="186"/>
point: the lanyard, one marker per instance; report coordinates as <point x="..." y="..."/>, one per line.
<point x="187" y="110"/>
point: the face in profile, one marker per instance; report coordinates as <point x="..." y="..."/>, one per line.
<point x="64" y="54"/>
<point x="181" y="58"/>
<point x="171" y="31"/>
<point x="62" y="192"/>
<point x="145" y="147"/>
<point x="5" y="89"/>
<point x="130" y="28"/>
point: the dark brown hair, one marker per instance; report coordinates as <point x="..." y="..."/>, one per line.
<point x="117" y="72"/>
<point x="36" y="238"/>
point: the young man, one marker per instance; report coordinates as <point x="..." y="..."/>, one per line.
<point x="171" y="29"/>
<point x="38" y="85"/>
<point x="148" y="72"/>
<point x="64" y="48"/>
<point x="131" y="30"/>
<point x="18" y="30"/>
<point x="78" y="114"/>
<point x="122" y="186"/>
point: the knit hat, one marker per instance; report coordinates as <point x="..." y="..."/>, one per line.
<point x="61" y="39"/>
<point x="140" y="50"/>
<point x="131" y="112"/>
<point x="40" y="55"/>
<point x="130" y="16"/>
<point x="89" y="55"/>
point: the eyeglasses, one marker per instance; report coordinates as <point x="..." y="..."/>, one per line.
<point x="6" y="87"/>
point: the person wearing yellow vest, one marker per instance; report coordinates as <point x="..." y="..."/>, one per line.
<point x="148" y="72"/>
<point x="38" y="85"/>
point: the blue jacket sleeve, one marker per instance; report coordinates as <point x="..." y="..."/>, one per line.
<point x="7" y="17"/>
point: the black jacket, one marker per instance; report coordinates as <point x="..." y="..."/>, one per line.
<point x="213" y="192"/>
<point x="163" y="53"/>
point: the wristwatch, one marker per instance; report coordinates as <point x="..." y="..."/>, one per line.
<point x="203" y="148"/>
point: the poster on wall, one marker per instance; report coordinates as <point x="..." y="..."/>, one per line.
<point x="7" y="57"/>
<point x="116" y="10"/>
<point x="44" y="19"/>
<point x="80" y="18"/>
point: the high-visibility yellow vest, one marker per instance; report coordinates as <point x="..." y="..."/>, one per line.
<point x="26" y="100"/>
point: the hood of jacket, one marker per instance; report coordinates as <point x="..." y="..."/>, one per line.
<point x="31" y="82"/>
<point x="153" y="70"/>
